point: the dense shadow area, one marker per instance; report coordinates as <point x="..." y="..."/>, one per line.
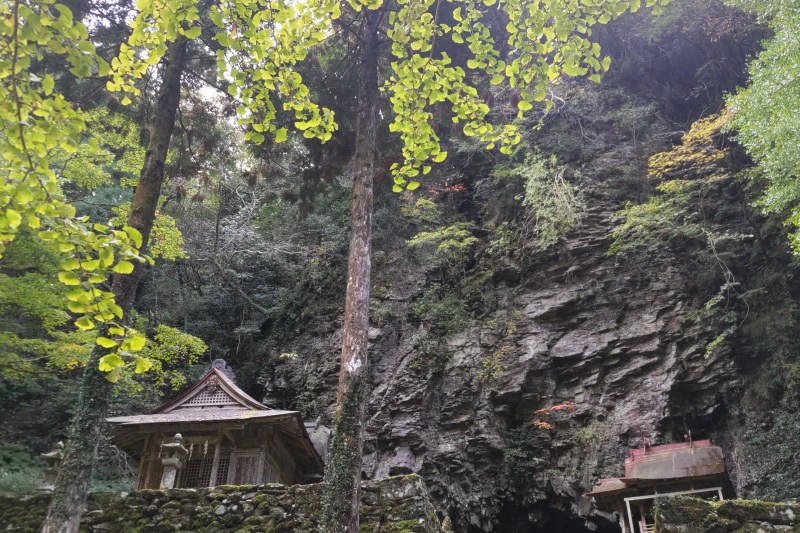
<point x="518" y="519"/>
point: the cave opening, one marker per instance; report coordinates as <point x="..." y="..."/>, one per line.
<point x="514" y="518"/>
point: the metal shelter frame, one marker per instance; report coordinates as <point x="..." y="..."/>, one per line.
<point x="667" y="495"/>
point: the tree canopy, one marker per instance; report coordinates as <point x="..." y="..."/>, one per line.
<point x="765" y="112"/>
<point x="444" y="58"/>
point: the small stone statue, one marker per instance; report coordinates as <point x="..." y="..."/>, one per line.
<point x="175" y="450"/>
<point x="52" y="465"/>
<point x="447" y="525"/>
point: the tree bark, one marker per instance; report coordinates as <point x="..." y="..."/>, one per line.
<point x="148" y="190"/>
<point x="343" y="471"/>
<point x="80" y="454"/>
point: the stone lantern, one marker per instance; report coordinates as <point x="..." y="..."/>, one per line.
<point x="175" y="451"/>
<point x="52" y="465"/>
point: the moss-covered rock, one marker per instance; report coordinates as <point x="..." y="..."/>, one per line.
<point x="691" y="515"/>
<point x="396" y="505"/>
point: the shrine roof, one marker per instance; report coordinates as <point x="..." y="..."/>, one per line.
<point x="669" y="463"/>
<point x="682" y="460"/>
<point x="201" y="415"/>
<point x="215" y="400"/>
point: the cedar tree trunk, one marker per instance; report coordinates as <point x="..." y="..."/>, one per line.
<point x="80" y="454"/>
<point x="343" y="471"/>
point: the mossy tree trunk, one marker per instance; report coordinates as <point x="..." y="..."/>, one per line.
<point x="343" y="471"/>
<point x="80" y="454"/>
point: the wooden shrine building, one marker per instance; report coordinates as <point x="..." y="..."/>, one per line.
<point x="215" y="434"/>
<point x="690" y="468"/>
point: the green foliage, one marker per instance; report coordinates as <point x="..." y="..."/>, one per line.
<point x="493" y="364"/>
<point x="41" y="131"/>
<point x="20" y="472"/>
<point x="675" y="215"/>
<point x="169" y="351"/>
<point x="680" y="216"/>
<point x="447" y="247"/>
<point x="35" y="119"/>
<point x="688" y="173"/>
<point x="15" y="457"/>
<point x="259" y="51"/>
<point x="442" y="309"/>
<point x="34" y="312"/>
<point x="554" y="206"/>
<point x="379" y="312"/>
<point x="771" y="452"/>
<point x="116" y="147"/>
<point x="422" y="211"/>
<point x="550" y="40"/>
<point x="19" y="482"/>
<point x="444" y="246"/>
<point x="260" y="48"/>
<point x="110" y="144"/>
<point x="524" y="455"/>
<point x="764" y="114"/>
<point x="442" y="314"/>
<point x="166" y="241"/>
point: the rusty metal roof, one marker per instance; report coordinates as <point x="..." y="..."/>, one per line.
<point x="673" y="461"/>
<point x="667" y="463"/>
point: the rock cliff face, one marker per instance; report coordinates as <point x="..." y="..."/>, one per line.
<point x="598" y="351"/>
<point x="617" y="346"/>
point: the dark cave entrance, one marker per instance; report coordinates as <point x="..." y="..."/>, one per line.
<point x="517" y="519"/>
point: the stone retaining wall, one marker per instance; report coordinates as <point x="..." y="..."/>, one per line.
<point x="691" y="515"/>
<point x="394" y="505"/>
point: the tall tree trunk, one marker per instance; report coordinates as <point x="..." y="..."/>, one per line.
<point x="343" y="471"/>
<point x="80" y="454"/>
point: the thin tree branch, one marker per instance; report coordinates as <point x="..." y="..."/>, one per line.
<point x="238" y="289"/>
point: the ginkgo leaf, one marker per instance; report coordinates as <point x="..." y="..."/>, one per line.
<point x="134" y="343"/>
<point x="70" y="264"/>
<point x="13" y="218"/>
<point x="135" y="235"/>
<point x="76" y="295"/>
<point x="105" y="342"/>
<point x="193" y="33"/>
<point x="123" y="267"/>
<point x="143" y="364"/>
<point x="69" y="278"/>
<point x="76" y="307"/>
<point x="84" y="323"/>
<point x="109" y="362"/>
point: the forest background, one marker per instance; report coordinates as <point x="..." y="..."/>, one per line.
<point x="250" y="242"/>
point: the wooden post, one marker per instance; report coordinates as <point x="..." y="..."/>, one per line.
<point x="212" y="482"/>
<point x="144" y="463"/>
<point x="643" y="520"/>
<point x="622" y="525"/>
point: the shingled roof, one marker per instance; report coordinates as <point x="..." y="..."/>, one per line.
<point x="214" y="401"/>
